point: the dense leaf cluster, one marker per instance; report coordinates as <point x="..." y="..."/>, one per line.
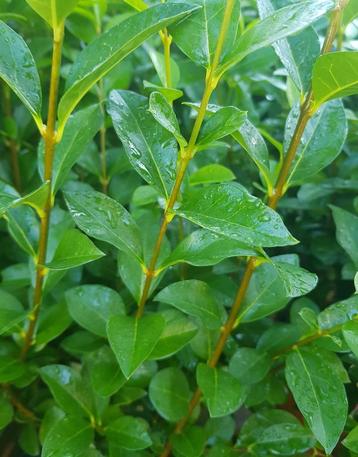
<point x="175" y="178"/>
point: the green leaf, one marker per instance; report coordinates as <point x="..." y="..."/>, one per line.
<point x="297" y="281"/>
<point x="67" y="388"/>
<point x="170" y="394"/>
<point x="129" y="433"/>
<point x="197" y="37"/>
<point x="335" y="75"/>
<point x="249" y="365"/>
<point x="75" y="249"/>
<point x="11" y="369"/>
<point x="132" y="340"/>
<point x="229" y="210"/>
<point x="91" y="306"/>
<point x="36" y="199"/>
<point x="28" y="439"/>
<point x="178" y="331"/>
<point x="321" y="142"/>
<point x="18" y="70"/>
<point x="195" y="298"/>
<point x="190" y="443"/>
<point x="79" y="131"/>
<point x="282" y="23"/>
<point x="251" y="140"/>
<point x="211" y="174"/>
<point x="55" y="11"/>
<point x="350" y="13"/>
<point x="266" y="294"/>
<point x="203" y="248"/>
<point x="163" y="113"/>
<point x="347" y="231"/>
<point x="223" y="122"/>
<point x="11" y="311"/>
<point x="297" y="53"/>
<point x="151" y="149"/>
<point x="105" y="219"/>
<point x="6" y="412"/>
<point x="106" y="376"/>
<point x="105" y="52"/>
<point x="69" y="436"/>
<point x="350" y="333"/>
<point x="222" y="392"/>
<point x="53" y="321"/>
<point x="338" y="313"/>
<point x="351" y="441"/>
<point x="319" y="393"/>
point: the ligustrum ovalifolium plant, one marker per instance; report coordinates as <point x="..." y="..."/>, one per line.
<point x="178" y="228"/>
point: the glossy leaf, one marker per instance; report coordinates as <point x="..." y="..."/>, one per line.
<point x="55" y="11"/>
<point x="163" y="113"/>
<point x="229" y="210"/>
<point x="150" y="148"/>
<point x="178" y="331"/>
<point x="103" y="218"/>
<point x="350" y="333"/>
<point x="321" y="142"/>
<point x="67" y="388"/>
<point x="197" y="37"/>
<point x="74" y="249"/>
<point x="111" y="47"/>
<point x="222" y="392"/>
<point x="211" y="174"/>
<point x="11" y="311"/>
<point x="351" y="441"/>
<point x="195" y="298"/>
<point x="91" y="306"/>
<point x="132" y="340"/>
<point x="249" y="365"/>
<point x="284" y="22"/>
<point x="335" y="75"/>
<point x="204" y="248"/>
<point x="169" y="393"/>
<point x="129" y="433"/>
<point x="297" y="281"/>
<point x="319" y="393"/>
<point x="18" y="70"/>
<point x="53" y="321"/>
<point x="347" y="231"/>
<point x="70" y="436"/>
<point x="339" y="313"/>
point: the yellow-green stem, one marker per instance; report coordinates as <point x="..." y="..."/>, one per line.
<point x="278" y="192"/>
<point x="49" y="137"/>
<point x="210" y="85"/>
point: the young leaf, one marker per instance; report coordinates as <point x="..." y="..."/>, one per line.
<point x="67" y="388"/>
<point x="223" y="122"/>
<point x="203" y="248"/>
<point x="55" y="11"/>
<point x="297" y="53"/>
<point x="249" y="365"/>
<point x="178" y="331"/>
<point x="222" y="392"/>
<point x="229" y="210"/>
<point x="321" y="142"/>
<point x="319" y="393"/>
<point x="74" y="249"/>
<point x="195" y="298"/>
<point x="163" y="113"/>
<point x="18" y="70"/>
<point x="350" y="333"/>
<point x="104" y="219"/>
<point x="347" y="231"/>
<point x="128" y="433"/>
<point x="169" y="393"/>
<point x="211" y="174"/>
<point x="106" y="376"/>
<point x="11" y="311"/>
<point x="282" y="23"/>
<point x="335" y="75"/>
<point x="111" y="47"/>
<point x="91" y="306"/>
<point x="197" y="37"/>
<point x="151" y="149"/>
<point x="69" y="436"/>
<point x="132" y="340"/>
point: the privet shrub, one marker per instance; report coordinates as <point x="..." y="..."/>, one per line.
<point x="175" y="180"/>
